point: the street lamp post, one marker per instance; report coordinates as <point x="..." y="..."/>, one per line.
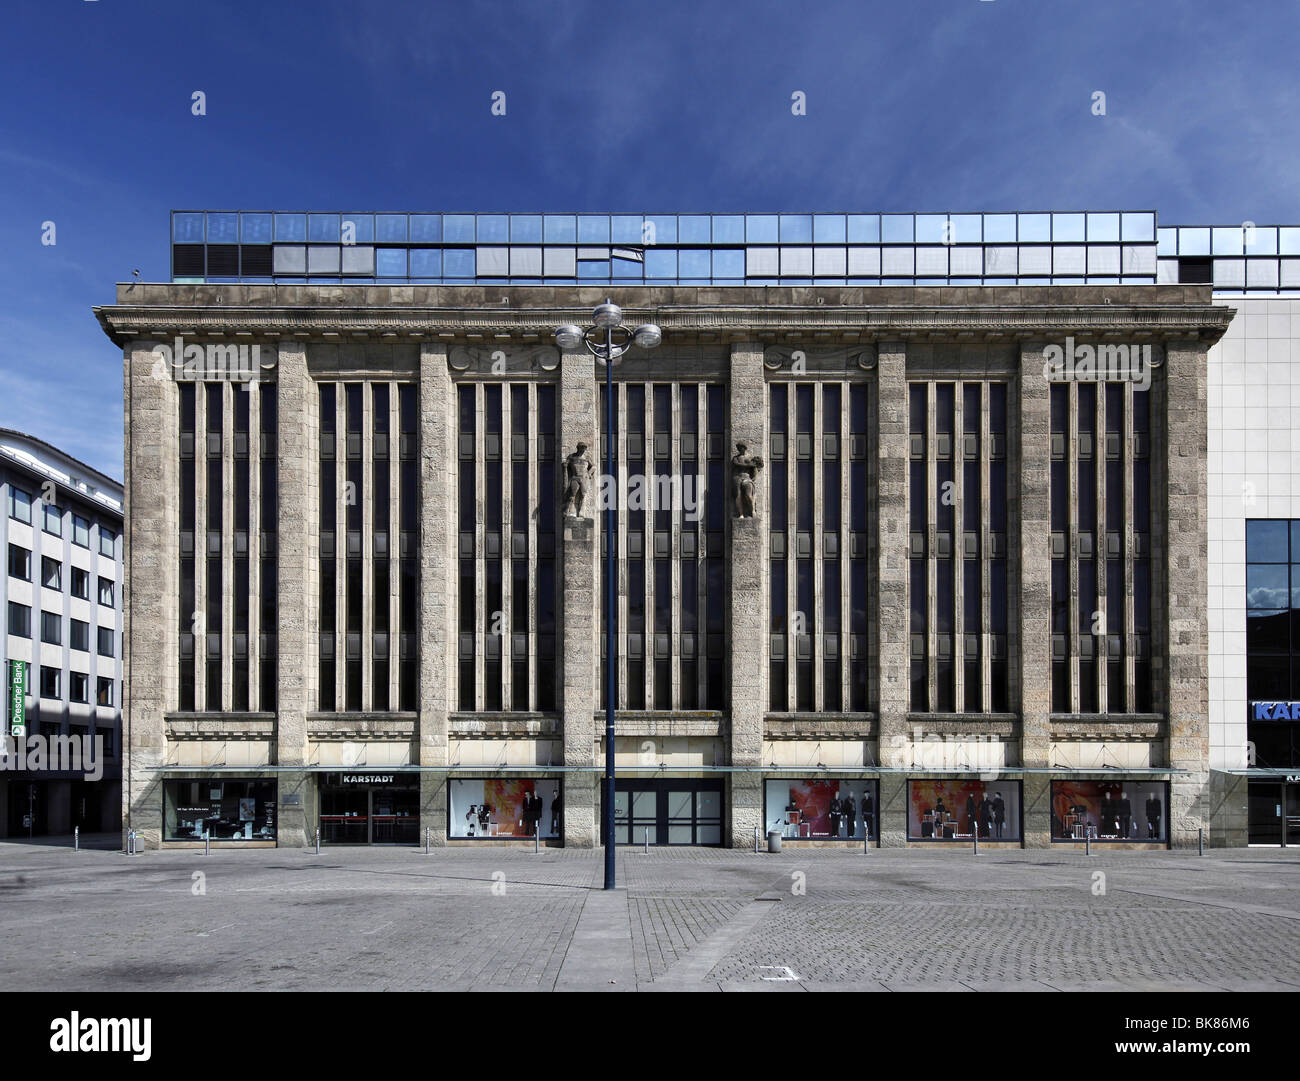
<point x="601" y="342"/>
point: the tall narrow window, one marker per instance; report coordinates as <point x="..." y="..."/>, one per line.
<point x="354" y="495"/>
<point x="268" y="652"/>
<point x="215" y="554"/>
<point x="188" y="598"/>
<point x="918" y="522"/>
<point x="381" y="487"/>
<point x="328" y="545"/>
<point x="240" y="698"/>
<point x="408" y="546"/>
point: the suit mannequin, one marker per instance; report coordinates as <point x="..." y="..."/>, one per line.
<point x="837" y="812"/>
<point x="850" y="816"/>
<point x="986" y="815"/>
<point x="999" y="813"/>
<point x="970" y="813"/>
<point x="1107" y="813"/>
<point x="1125" y="811"/>
<point x="1153" y="810"/>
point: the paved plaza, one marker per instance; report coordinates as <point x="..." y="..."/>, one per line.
<point x="686" y="919"/>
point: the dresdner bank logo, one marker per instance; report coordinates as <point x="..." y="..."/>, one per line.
<point x="120" y="1034"/>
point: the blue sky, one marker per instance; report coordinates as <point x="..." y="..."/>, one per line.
<point x="941" y="105"/>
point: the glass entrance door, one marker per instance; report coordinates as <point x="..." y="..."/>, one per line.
<point x="668" y="812"/>
<point x="345" y="816"/>
<point x="1265" y="813"/>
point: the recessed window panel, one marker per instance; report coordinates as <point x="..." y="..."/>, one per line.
<point x="1035" y="228"/>
<point x="662" y="264"/>
<point x="694" y="229"/>
<point x="290" y="227"/>
<point x="426" y="263"/>
<point x="491" y="229"/>
<point x="1193" y="241"/>
<point x="595" y="269"/>
<point x="359" y="259"/>
<point x="729" y="264"/>
<point x="187" y="228"/>
<point x="829" y="229"/>
<point x="897" y="229"/>
<point x="1068" y="227"/>
<point x="762" y="262"/>
<point x="290" y="259"/>
<point x="559" y="263"/>
<point x="456" y="229"/>
<point x="1260" y="240"/>
<point x="390" y="228"/>
<point x="626" y="229"/>
<point x="796" y="229"/>
<point x="1266" y="586"/>
<point x="323" y="228"/>
<point x="593" y="229"/>
<point x="357" y="229"/>
<point x="322" y="259"/>
<point x="1266" y="541"/>
<point x="864" y="228"/>
<point x="1229" y="241"/>
<point x="933" y="229"/>
<point x="255" y="229"/>
<point x="223" y="228"/>
<point x="762" y="229"/>
<point x="999" y="228"/>
<point x="560" y="229"/>
<point x="458" y="263"/>
<point x="389" y="262"/>
<point x="1288" y="241"/>
<point x="1103" y="227"/>
<point x="524" y="228"/>
<point x="796" y="262"/>
<point x="728" y="229"/>
<point x="1138" y="227"/>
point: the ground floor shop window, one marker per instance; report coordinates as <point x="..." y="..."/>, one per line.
<point x="821" y="809"/>
<point x="373" y="808"/>
<point x="223" y="810"/>
<point x="1109" y="810"/>
<point x="500" y="807"/>
<point x="952" y="810"/>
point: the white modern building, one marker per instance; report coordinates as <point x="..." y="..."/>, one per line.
<point x="61" y="532"/>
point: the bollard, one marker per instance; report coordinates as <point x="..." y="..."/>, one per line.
<point x="426" y="840"/>
<point x="130" y="842"/>
<point x="866" y="841"/>
<point x="207" y="844"/>
<point x="318" y="840"/>
<point x="977" y="840"/>
<point x="76" y="838"/>
<point x="1087" y="841"/>
<point x="756" y="831"/>
<point x="1200" y="842"/>
<point x="645" y="837"/>
<point x="537" y="838"/>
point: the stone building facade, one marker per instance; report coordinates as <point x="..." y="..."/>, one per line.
<point x="971" y="600"/>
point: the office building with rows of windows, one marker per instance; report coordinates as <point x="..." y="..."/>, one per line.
<point x="973" y="599"/>
<point x="62" y="537"/>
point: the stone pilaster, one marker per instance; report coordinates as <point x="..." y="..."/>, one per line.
<point x="437" y="606"/>
<point x="579" y="656"/>
<point x="1029" y="576"/>
<point x="749" y="597"/>
<point x="298" y="437"/>
<point x="1184" y="633"/>
<point x="151" y="591"/>
<point x="889" y="626"/>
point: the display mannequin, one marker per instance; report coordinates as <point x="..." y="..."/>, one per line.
<point x="986" y="815"/>
<point x="557" y="812"/>
<point x="1107" y="817"/>
<point x="837" y="812"/>
<point x="850" y="816"/>
<point x="1125" y="810"/>
<point x="526" y="810"/>
<point x="1153" y="810"/>
<point x="970" y="813"/>
<point x="868" y="813"/>
<point x="999" y="813"/>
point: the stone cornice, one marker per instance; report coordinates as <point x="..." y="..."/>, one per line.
<point x="1049" y="318"/>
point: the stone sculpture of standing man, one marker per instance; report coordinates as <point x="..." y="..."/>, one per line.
<point x="744" y="468"/>
<point x="579" y="471"/>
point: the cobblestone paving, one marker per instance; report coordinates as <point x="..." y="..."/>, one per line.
<point x="699" y="919"/>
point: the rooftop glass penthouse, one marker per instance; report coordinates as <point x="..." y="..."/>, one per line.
<point x="1072" y="248"/>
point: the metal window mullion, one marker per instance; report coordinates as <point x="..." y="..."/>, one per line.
<point x="1072" y="540"/>
<point x="1101" y="559"/>
<point x="791" y="548"/>
<point x="957" y="445"/>
<point x="367" y="544"/>
<point x="340" y="546"/>
<point x="845" y="442"/>
<point x="818" y="563"/>
<point x="676" y="469"/>
<point x="505" y="546"/>
<point x="1127" y="553"/>
<point x="227" y="546"/>
<point x="931" y="530"/>
<point x="480" y="548"/>
<point x="701" y="538"/>
<point x="394" y="543"/>
<point x="254" y="634"/>
<point x="985" y="553"/>
<point x="534" y="496"/>
<point x="200" y="658"/>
